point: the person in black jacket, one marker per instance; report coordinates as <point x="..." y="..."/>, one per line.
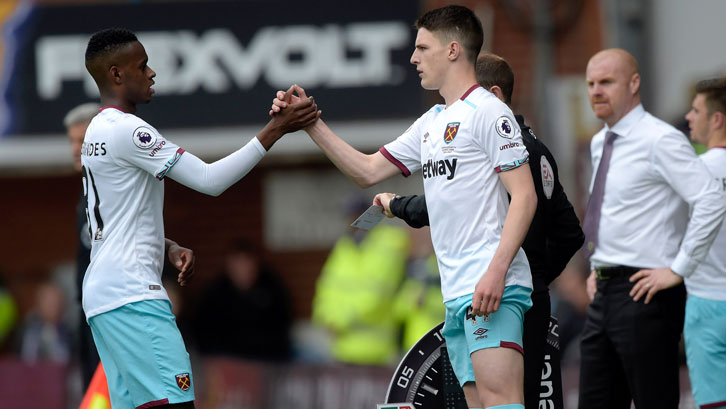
<point x="245" y="312"/>
<point x="553" y="237"/>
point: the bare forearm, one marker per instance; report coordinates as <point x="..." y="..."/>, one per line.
<point x="357" y="166"/>
<point x="269" y="135"/>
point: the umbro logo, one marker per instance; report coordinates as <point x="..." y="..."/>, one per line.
<point x="480" y="333"/>
<point x="425" y="137"/>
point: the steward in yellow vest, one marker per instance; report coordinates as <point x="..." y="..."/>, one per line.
<point x="355" y="294"/>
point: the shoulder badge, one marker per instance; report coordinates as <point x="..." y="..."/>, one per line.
<point x="548" y="177"/>
<point x="504" y="127"/>
<point x="144" y="137"/>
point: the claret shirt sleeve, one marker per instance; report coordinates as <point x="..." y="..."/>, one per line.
<point x="138" y="144"/>
<point x="501" y="139"/>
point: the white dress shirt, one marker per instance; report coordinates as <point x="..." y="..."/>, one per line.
<point x="654" y="177"/>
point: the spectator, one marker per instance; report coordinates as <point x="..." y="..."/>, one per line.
<point x="44" y="335"/>
<point x="419" y="305"/>
<point x="8" y="316"/>
<point x="245" y="312"/>
<point x="355" y="291"/>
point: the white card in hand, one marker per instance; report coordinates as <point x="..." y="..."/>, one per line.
<point x="370" y="218"/>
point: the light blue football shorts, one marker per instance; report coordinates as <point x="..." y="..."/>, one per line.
<point x="705" y="335"/>
<point x="143" y="354"/>
<point x="465" y="333"/>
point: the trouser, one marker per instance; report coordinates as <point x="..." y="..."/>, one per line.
<point x="542" y="376"/>
<point x="629" y="350"/>
<point x="536" y="323"/>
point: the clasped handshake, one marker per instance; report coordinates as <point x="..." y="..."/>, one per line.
<point x="294" y="109"/>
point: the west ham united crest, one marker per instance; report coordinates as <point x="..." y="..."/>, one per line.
<point x="450" y="133"/>
<point x="183" y="381"/>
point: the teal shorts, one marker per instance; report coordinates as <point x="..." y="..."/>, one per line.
<point x="705" y="335"/>
<point x="143" y="355"/>
<point x="465" y="333"/>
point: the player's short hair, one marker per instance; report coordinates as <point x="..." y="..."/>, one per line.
<point x="715" y="92"/>
<point x="491" y="70"/>
<point x="107" y="41"/>
<point x="81" y="114"/>
<point x="455" y="23"/>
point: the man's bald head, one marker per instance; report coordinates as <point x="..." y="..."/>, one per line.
<point x="613" y="84"/>
<point x="623" y="59"/>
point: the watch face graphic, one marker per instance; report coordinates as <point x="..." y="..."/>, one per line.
<point x="425" y="377"/>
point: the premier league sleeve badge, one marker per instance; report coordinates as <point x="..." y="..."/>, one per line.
<point x="504" y="127"/>
<point x="144" y="138"/>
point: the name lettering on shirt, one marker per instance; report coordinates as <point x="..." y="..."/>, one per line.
<point x="93" y="149"/>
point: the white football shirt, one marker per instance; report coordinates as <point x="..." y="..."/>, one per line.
<point x="709" y="279"/>
<point x="124" y="163"/>
<point x="460" y="150"/>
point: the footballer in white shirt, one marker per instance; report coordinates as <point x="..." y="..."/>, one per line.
<point x="470" y="153"/>
<point x="124" y="162"/>
<point x="705" y="319"/>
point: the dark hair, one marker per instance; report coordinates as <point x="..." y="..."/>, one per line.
<point x="455" y="23"/>
<point x="491" y="70"/>
<point x="715" y="92"/>
<point x="108" y="40"/>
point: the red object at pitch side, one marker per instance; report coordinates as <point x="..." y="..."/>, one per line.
<point x="96" y="396"/>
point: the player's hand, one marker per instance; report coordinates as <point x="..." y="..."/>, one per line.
<point x="300" y="111"/>
<point x="591" y="285"/>
<point x="649" y="282"/>
<point x="183" y="259"/>
<point x="285" y="98"/>
<point x="384" y="200"/>
<point x="488" y="292"/>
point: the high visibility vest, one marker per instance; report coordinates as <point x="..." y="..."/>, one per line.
<point x="8" y="314"/>
<point x="419" y="304"/>
<point x="355" y="292"/>
<point x="96" y="396"/>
